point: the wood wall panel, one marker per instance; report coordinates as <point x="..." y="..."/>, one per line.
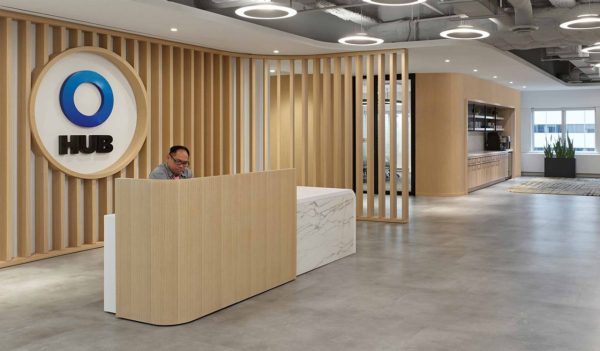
<point x="198" y="97"/>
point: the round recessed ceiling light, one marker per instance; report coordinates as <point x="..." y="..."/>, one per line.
<point x="475" y="70"/>
<point x="446" y="60"/>
<point x="495" y="77"/>
<point x="272" y="71"/>
<point x="173" y="29"/>
<point x="394" y="2"/>
<point x="524" y="86"/>
<point x="275" y="51"/>
<point x="585" y="21"/>
<point x="266" y="11"/>
<point x="464" y="32"/>
<point x="360" y="39"/>
<point x="594" y="49"/>
<point x="510" y="82"/>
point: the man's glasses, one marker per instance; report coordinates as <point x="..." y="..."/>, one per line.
<point x="179" y="162"/>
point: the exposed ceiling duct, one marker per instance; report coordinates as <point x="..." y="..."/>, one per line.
<point x="523" y="16"/>
<point x="563" y="3"/>
<point x="345" y="14"/>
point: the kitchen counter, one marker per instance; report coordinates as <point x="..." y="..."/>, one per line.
<point x="488" y="153"/>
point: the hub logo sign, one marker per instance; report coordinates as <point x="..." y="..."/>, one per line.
<point x="88" y="112"/>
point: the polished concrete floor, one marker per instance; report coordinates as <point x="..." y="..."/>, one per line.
<point x="489" y="271"/>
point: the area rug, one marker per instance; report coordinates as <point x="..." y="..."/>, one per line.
<point x="559" y="186"/>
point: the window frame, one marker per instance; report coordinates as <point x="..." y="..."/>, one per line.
<point x="563" y="119"/>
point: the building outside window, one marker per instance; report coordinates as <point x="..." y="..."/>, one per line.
<point x="579" y="124"/>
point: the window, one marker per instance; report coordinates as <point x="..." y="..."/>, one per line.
<point x="578" y="124"/>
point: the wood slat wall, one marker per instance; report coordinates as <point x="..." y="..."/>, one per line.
<point x="229" y="109"/>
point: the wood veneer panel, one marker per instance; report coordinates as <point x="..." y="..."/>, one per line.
<point x="178" y="97"/>
<point x="23" y="135"/>
<point x="90" y="211"/>
<point x="266" y="117"/>
<point x="74" y="192"/>
<point x="157" y="149"/>
<point x="240" y="84"/>
<point x="290" y="131"/>
<point x="131" y="56"/>
<point x="167" y="98"/>
<point x="218" y="116"/>
<point x="253" y="117"/>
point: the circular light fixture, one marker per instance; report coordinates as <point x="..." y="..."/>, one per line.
<point x="173" y="29"/>
<point x="510" y="82"/>
<point x="266" y="11"/>
<point x="275" y="51"/>
<point x="475" y="70"/>
<point x="585" y="21"/>
<point x="271" y="71"/>
<point x="464" y="32"/>
<point x="594" y="49"/>
<point x="446" y="60"/>
<point x="495" y="77"/>
<point x="597" y="65"/>
<point x="360" y="39"/>
<point x="394" y="2"/>
<point x="524" y="86"/>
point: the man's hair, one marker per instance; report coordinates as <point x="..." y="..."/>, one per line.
<point x="176" y="148"/>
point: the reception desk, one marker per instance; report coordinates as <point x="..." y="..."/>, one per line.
<point x="326" y="231"/>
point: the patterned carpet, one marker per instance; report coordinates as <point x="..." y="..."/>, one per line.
<point x="559" y="186"/>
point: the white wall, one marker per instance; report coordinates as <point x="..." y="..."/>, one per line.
<point x="534" y="162"/>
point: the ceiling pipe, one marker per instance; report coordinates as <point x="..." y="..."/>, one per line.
<point x="563" y="3"/>
<point x="523" y="12"/>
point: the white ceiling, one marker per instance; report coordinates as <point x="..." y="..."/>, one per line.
<point x="156" y="17"/>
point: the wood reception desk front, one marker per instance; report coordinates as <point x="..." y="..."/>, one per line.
<point x="187" y="248"/>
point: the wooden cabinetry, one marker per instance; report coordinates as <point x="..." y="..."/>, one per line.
<point x="485" y="118"/>
<point x="488" y="169"/>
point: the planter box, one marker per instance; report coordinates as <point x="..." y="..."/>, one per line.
<point x="559" y="167"/>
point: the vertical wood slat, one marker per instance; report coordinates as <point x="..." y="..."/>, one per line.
<point x="347" y="121"/>
<point x="156" y="148"/>
<point x="58" y="178"/>
<point x="253" y="126"/>
<point x="405" y="147"/>
<point x="74" y="204"/>
<point x="132" y="170"/>
<point x="326" y="121"/>
<point x="41" y="164"/>
<point x="239" y="116"/>
<point x="217" y="117"/>
<point x="105" y="185"/>
<point x="277" y="121"/>
<point x="314" y="152"/>
<point x="266" y="117"/>
<point x="370" y="138"/>
<point x="145" y="162"/>
<point x="23" y="136"/>
<point x="91" y="214"/>
<point x="198" y="152"/>
<point x="6" y="221"/>
<point x="358" y="150"/>
<point x="208" y="114"/>
<point x="227" y="140"/>
<point x="178" y="96"/>
<point x="167" y="95"/>
<point x="304" y="142"/>
<point x="381" y="135"/>
<point x="291" y="120"/>
<point x="393" y="138"/>
<point x="338" y="158"/>
<point x="188" y="102"/>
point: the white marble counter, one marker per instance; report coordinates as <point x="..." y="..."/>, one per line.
<point x="326" y="224"/>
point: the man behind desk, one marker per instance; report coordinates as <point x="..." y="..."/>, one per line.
<point x="175" y="166"/>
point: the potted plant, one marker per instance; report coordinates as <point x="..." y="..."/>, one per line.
<point x="559" y="158"/>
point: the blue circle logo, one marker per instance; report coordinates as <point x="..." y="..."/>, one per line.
<point x="67" y="99"/>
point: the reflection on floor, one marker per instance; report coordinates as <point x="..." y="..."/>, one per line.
<point x="490" y="271"/>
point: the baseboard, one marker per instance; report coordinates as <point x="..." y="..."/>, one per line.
<point x="541" y="174"/>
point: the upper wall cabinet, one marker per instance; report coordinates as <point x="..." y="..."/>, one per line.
<point x="485" y="118"/>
